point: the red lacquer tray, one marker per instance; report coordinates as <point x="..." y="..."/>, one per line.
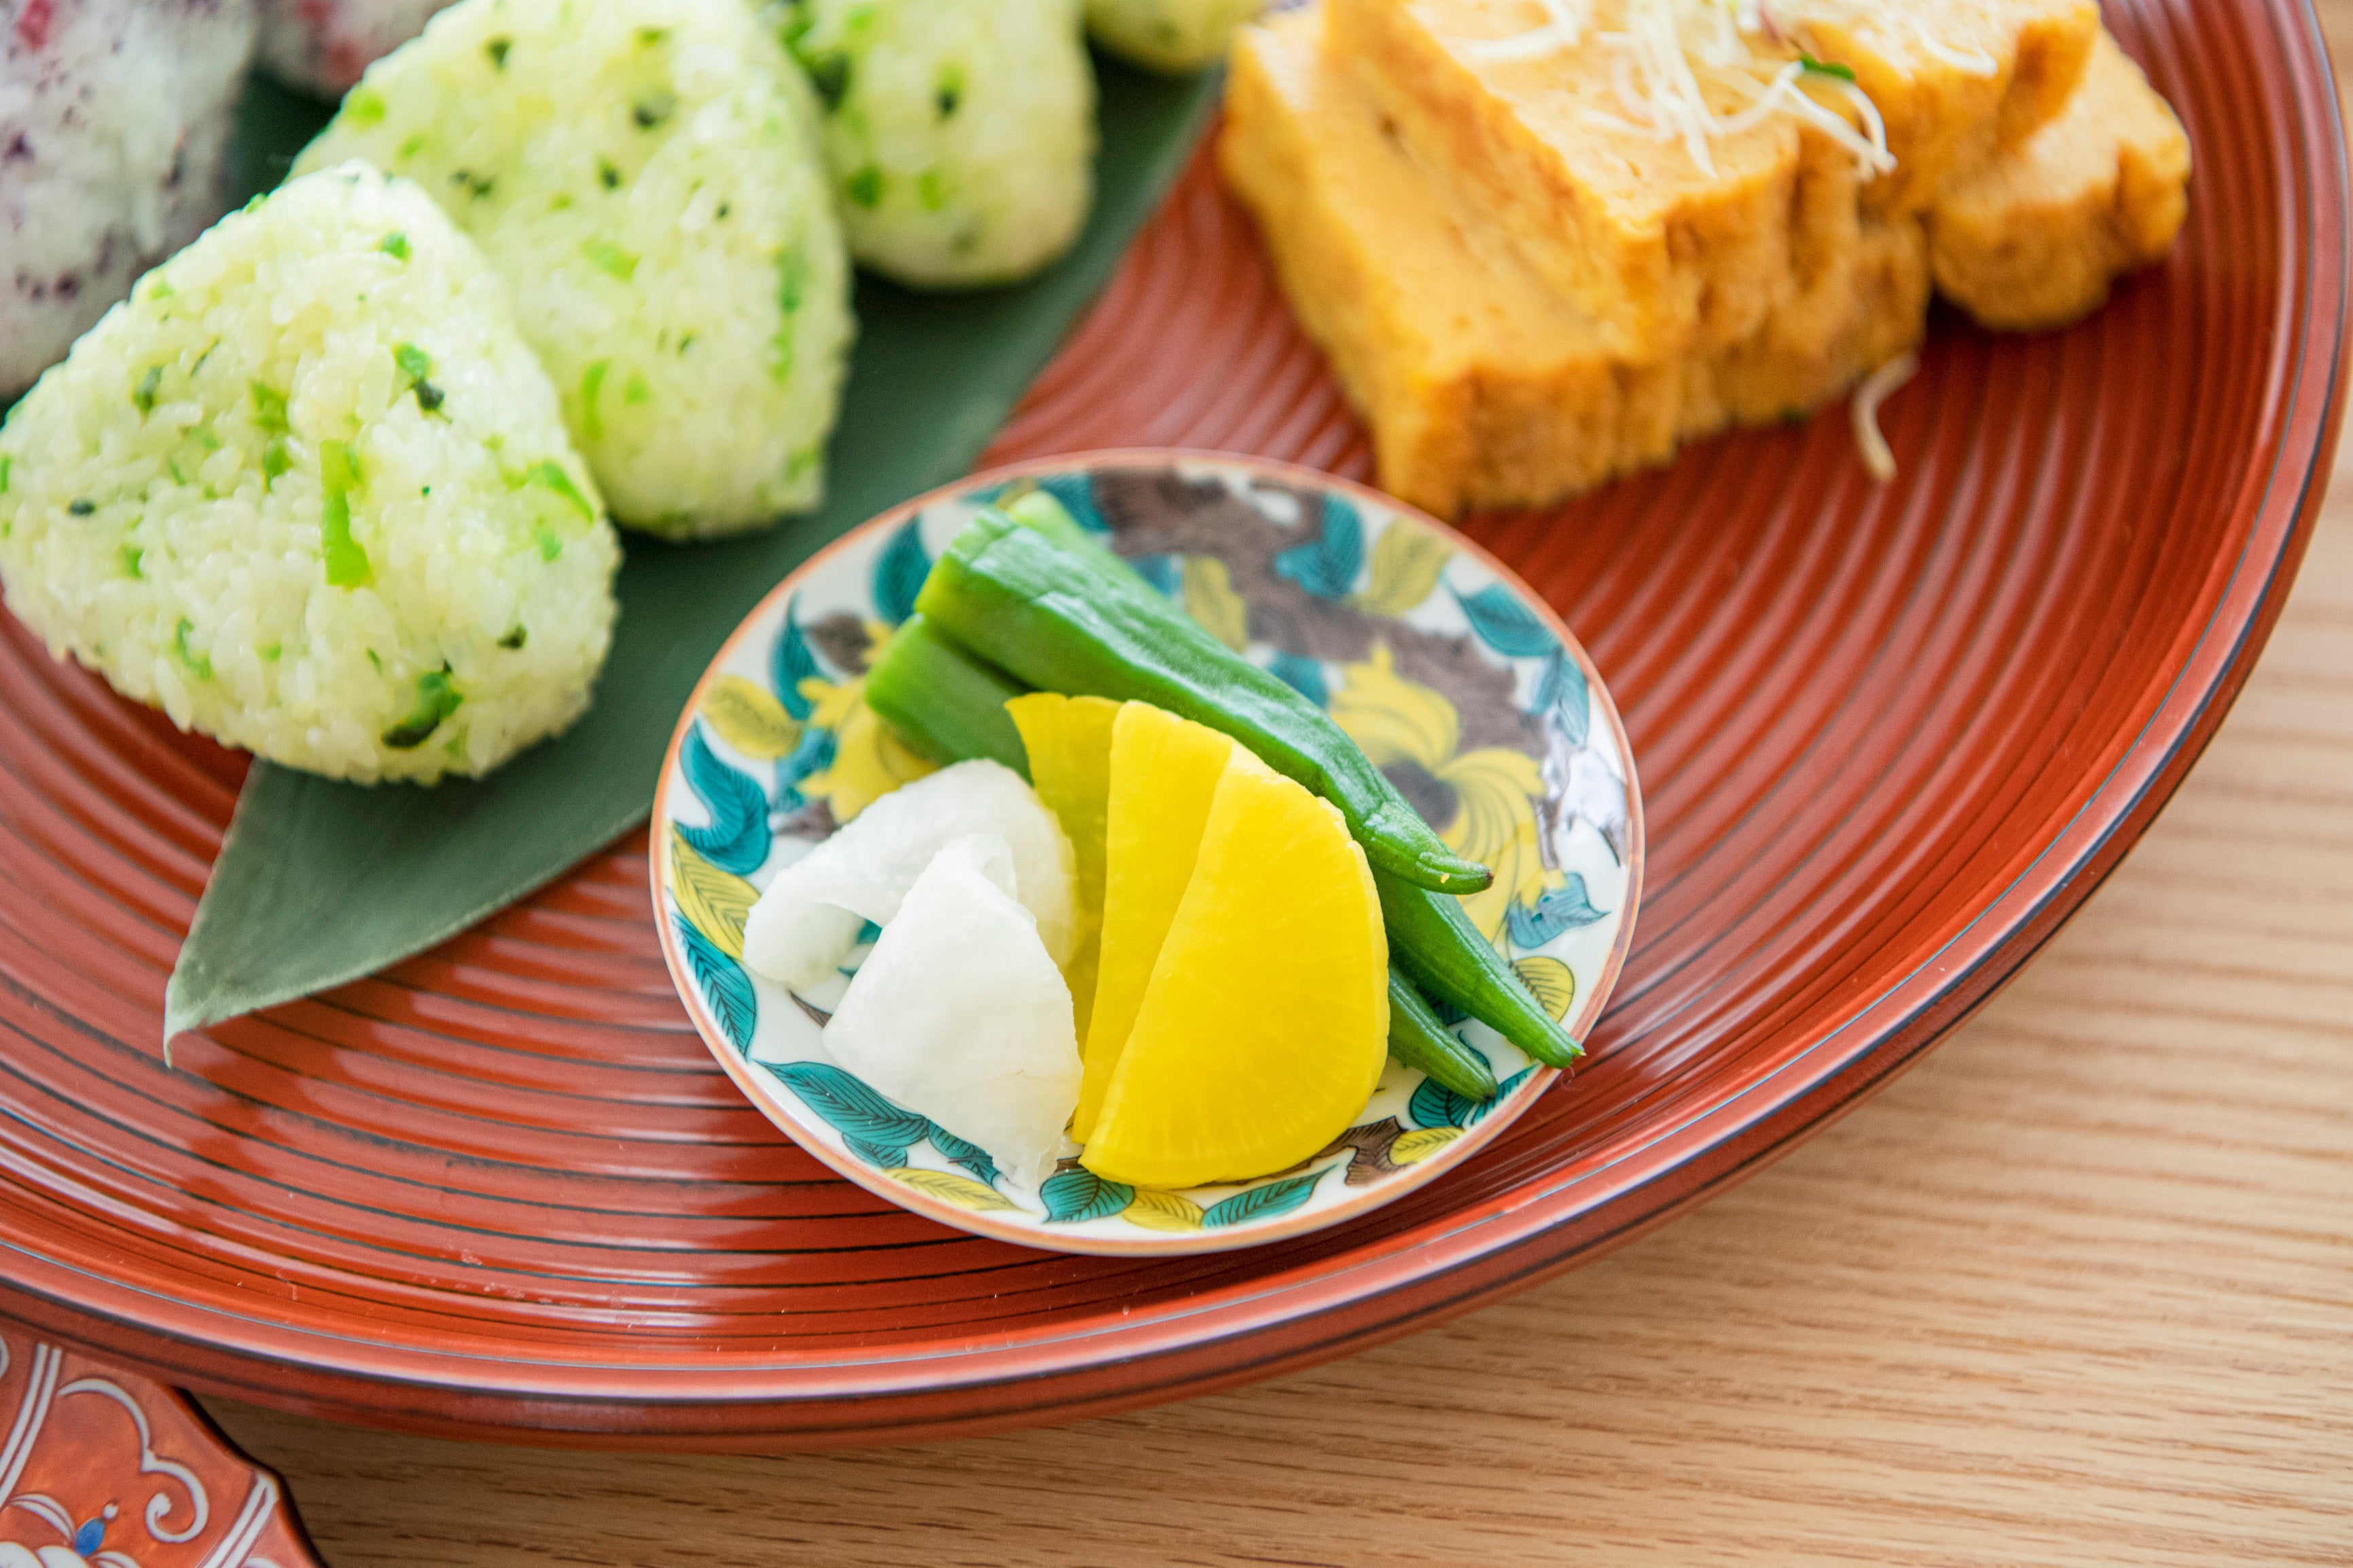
<point x="1889" y="738"/>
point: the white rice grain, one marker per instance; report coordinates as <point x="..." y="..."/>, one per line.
<point x="960" y="133"/>
<point x="115" y="118"/>
<point x="322" y="46"/>
<point x="640" y="176"/>
<point x="309" y="492"/>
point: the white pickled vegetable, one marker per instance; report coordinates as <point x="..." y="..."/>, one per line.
<point x="961" y="1014"/>
<point x="807" y="922"/>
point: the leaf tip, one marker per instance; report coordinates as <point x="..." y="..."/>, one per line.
<point x="184" y="1017"/>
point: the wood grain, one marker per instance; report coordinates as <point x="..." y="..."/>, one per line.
<point x="2077" y="1290"/>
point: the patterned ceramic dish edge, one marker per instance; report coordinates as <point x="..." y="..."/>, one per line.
<point x="1448" y="671"/>
<point x="102" y="1469"/>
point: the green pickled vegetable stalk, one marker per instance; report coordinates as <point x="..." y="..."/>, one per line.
<point x="918" y="688"/>
<point x="1434" y="941"/>
<point x="1459" y="963"/>
<point x="944" y="703"/>
<point x="1417" y="1039"/>
<point x="1041" y="511"/>
<point x="1005" y="590"/>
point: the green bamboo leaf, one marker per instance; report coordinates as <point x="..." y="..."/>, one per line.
<point x="320" y="883"/>
<point x="853" y="1107"/>
<point x="956" y="1149"/>
<point x="724" y="985"/>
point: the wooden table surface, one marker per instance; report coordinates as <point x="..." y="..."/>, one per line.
<point x="2079" y="1290"/>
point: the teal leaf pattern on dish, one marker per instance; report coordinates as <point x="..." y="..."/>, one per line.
<point x="1561" y="697"/>
<point x="1072" y="1197"/>
<point x="1165" y="572"/>
<point x="1258" y="1203"/>
<point x="900" y="571"/>
<point x="790" y="662"/>
<point x="851" y="1109"/>
<point x="1076" y="492"/>
<point x="1327" y="568"/>
<point x="875" y="1154"/>
<point x="955" y="1150"/>
<point x="1435" y="1105"/>
<point x="1302" y="675"/>
<point x="814" y="755"/>
<point x="1503" y="1091"/>
<point x="725" y="988"/>
<point x="737" y="839"/>
<point x="1506" y="625"/>
<point x="1565" y="908"/>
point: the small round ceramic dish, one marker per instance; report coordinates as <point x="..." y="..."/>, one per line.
<point x="1453" y="677"/>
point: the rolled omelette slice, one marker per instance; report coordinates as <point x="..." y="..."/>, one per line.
<point x="2036" y="237"/>
<point x="1482" y="385"/>
<point x="1681" y="243"/>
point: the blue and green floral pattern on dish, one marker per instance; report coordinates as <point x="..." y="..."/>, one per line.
<point x="1454" y="686"/>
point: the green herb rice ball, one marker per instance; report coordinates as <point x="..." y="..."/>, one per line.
<point x="1172" y="35"/>
<point x="638" y="173"/>
<point x="960" y="133"/>
<point x="308" y="491"/>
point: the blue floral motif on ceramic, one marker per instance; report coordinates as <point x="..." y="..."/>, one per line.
<point x="98" y="1472"/>
<point x="1453" y="684"/>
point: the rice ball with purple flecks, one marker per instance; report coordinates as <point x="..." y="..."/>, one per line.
<point x="322" y="46"/>
<point x="114" y="122"/>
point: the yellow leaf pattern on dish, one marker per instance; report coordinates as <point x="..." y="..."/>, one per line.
<point x="714" y="903"/>
<point x="1497" y="826"/>
<point x="749" y="718"/>
<point x="1394" y="719"/>
<point x="1412" y="1148"/>
<point x="869" y="761"/>
<point x="1210" y="599"/>
<point x="1495" y="789"/>
<point x="961" y="1191"/>
<point x="1551" y="982"/>
<point x="1407" y="564"/>
<point x="1155" y="1210"/>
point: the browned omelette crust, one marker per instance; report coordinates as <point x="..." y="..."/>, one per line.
<point x="2034" y="238"/>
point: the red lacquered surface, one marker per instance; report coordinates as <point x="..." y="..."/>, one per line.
<point x="1889" y="740"/>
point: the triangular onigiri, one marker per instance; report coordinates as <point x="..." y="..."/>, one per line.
<point x="308" y="491"/>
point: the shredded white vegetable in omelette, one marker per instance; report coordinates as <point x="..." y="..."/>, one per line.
<point x="1666" y="52"/>
<point x="1876" y="389"/>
